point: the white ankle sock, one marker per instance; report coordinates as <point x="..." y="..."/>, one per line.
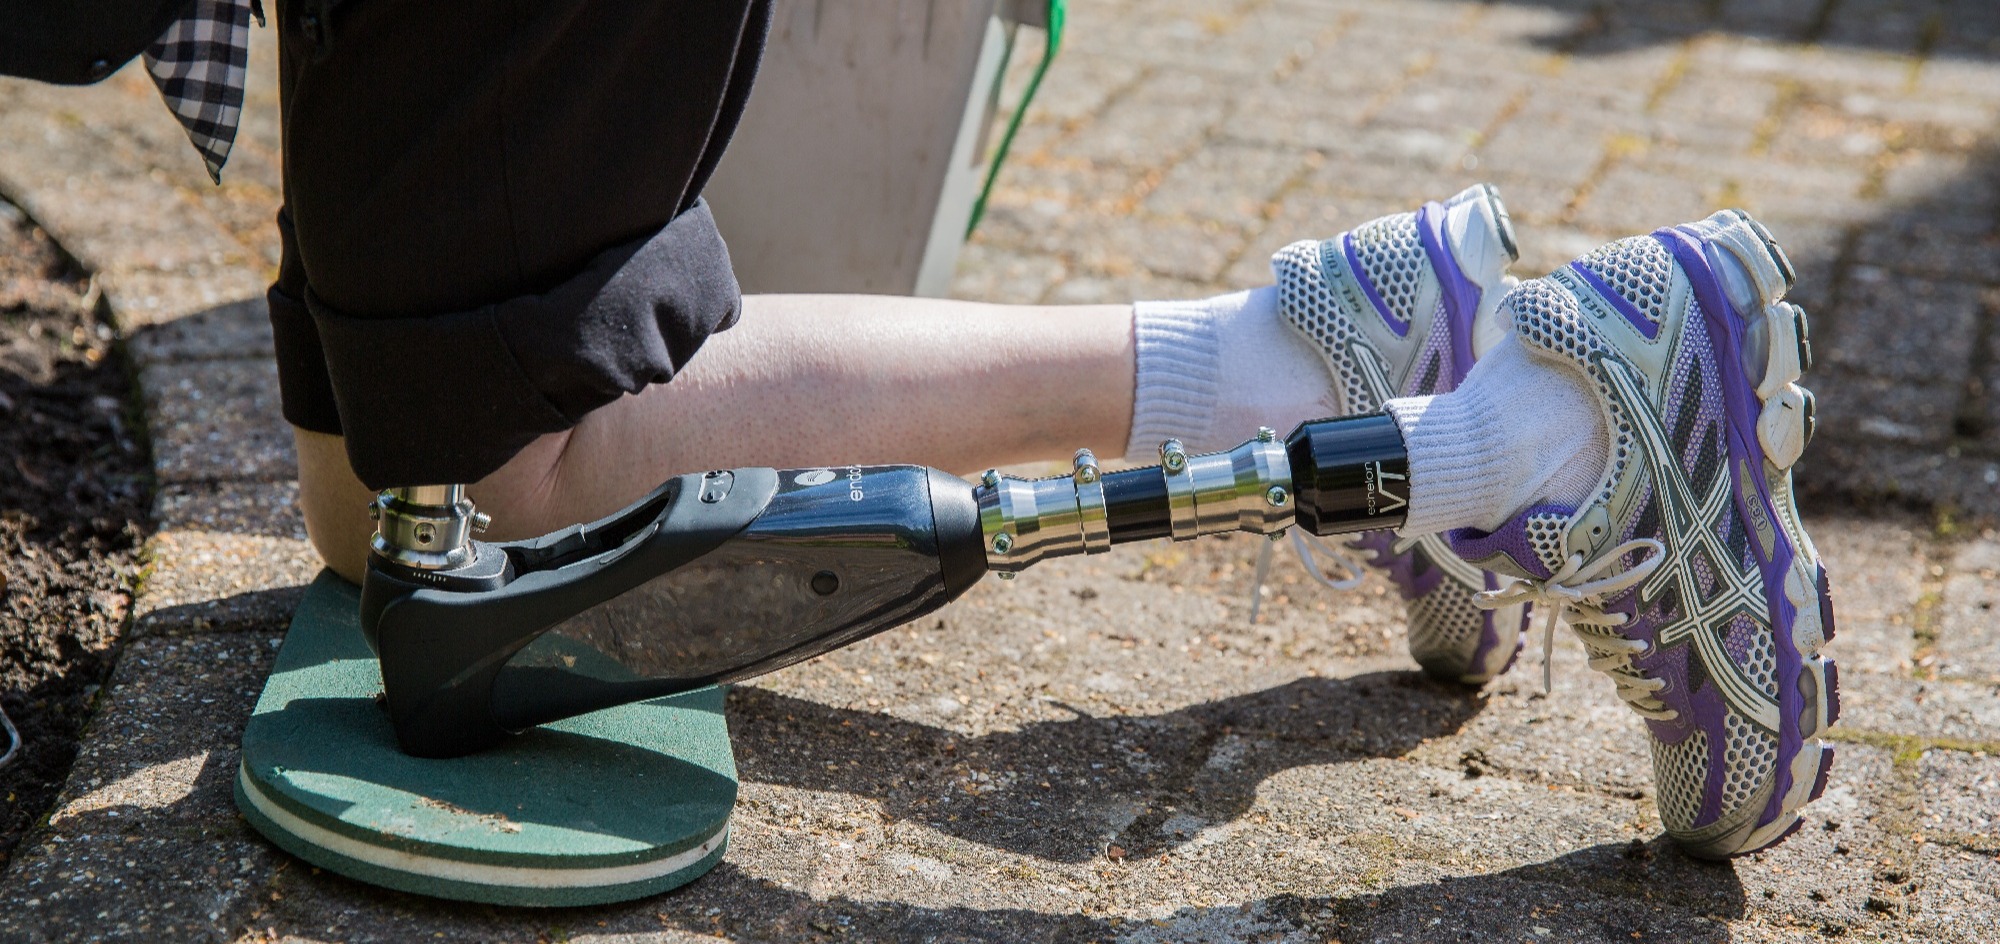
<point x="1519" y="431"/>
<point x="1212" y="371"/>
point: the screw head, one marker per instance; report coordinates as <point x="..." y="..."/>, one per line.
<point x="1275" y="535"/>
<point x="1173" y="455"/>
<point x="1002" y="543"/>
<point x="1266" y="434"/>
<point x="426" y="533"/>
<point x="1006" y="575"/>
<point x="1086" y="474"/>
<point x="1277" y="496"/>
<point x="481" y="521"/>
<point x="374" y="511"/>
<point x="990" y="478"/>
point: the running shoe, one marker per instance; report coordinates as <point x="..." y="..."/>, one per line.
<point x="1687" y="575"/>
<point x="1400" y="307"/>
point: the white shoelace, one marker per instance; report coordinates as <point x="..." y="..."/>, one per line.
<point x="1310" y="547"/>
<point x="1578" y="591"/>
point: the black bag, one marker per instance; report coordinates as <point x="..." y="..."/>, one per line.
<point x="77" y="42"/>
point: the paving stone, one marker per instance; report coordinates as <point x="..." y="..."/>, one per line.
<point x="1958" y="710"/>
<point x="1957" y="874"/>
<point x="157" y="254"/>
<point x="1877" y="570"/>
<point x="145" y="843"/>
<point x="1885" y="24"/>
<point x="1576" y="737"/>
<point x="1935" y="244"/>
<point x="1170" y="114"/>
<point x="217" y="420"/>
<point x="1635" y="198"/>
<point x="267" y="509"/>
<point x="1226" y="183"/>
<point x="1904" y="328"/>
<point x="1968" y="627"/>
<point x="204" y="581"/>
<point x="236" y="330"/>
<point x="1053" y="207"/>
<point x="1725" y="110"/>
<point x="1086" y="84"/>
<point x="1823" y="877"/>
<point x="1901" y="413"/>
<point x="141" y="298"/>
<point x="1890" y="475"/>
<point x="1195" y="252"/>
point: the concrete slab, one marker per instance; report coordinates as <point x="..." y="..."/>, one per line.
<point x="217" y="420"/>
<point x="1968" y="625"/>
<point x="206" y="581"/>
<point x="145" y="843"/>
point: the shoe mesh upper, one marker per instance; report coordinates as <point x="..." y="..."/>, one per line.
<point x="1748" y="759"/>
<point x="1392" y="257"/>
<point x="1638" y="268"/>
<point x="1308" y="302"/>
<point x="1545" y="535"/>
<point x="1680" y="774"/>
<point x="1444" y="622"/>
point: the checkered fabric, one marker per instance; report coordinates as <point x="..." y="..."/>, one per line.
<point x="199" y="64"/>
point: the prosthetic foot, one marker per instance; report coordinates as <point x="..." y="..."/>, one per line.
<point x="536" y="722"/>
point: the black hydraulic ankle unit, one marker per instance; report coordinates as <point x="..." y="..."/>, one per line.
<point x="725" y="575"/>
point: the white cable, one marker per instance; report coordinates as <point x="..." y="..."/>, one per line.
<point x="13" y="738"/>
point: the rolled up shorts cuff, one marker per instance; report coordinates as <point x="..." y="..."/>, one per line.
<point x="447" y="398"/>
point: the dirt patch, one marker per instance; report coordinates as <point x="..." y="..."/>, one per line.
<point x="74" y="490"/>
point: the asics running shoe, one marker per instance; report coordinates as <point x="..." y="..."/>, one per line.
<point x="1400" y="307"/>
<point x="1687" y="575"/>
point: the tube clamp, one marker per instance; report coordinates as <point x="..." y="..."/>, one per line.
<point x="1228" y="491"/>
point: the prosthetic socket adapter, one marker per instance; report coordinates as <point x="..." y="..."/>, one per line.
<point x="721" y="576"/>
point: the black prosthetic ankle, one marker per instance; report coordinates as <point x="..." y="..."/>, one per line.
<point x="726" y="575"/>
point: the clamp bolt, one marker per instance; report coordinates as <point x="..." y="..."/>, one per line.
<point x="1173" y="456"/>
<point x="1002" y="543"/>
<point x="1277" y="496"/>
<point x="990" y="478"/>
<point x="1086" y="467"/>
<point x="481" y="521"/>
<point x="1266" y="434"/>
<point x="375" y="511"/>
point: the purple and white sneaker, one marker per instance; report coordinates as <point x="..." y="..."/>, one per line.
<point x="1400" y="307"/>
<point x="1687" y="575"/>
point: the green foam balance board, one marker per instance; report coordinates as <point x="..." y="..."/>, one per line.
<point x="611" y="806"/>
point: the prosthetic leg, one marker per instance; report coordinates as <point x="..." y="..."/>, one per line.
<point x="537" y="722"/>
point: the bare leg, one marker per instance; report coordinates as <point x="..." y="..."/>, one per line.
<point x="802" y="380"/>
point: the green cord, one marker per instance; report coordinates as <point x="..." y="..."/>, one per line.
<point x="1014" y="123"/>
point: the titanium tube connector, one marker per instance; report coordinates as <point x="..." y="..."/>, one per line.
<point x="425" y="527"/>
<point x="1248" y="488"/>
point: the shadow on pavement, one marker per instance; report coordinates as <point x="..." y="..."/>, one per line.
<point x="1964" y="28"/>
<point x="1612" y="892"/>
<point x="1604" y="893"/>
<point x="1067" y="790"/>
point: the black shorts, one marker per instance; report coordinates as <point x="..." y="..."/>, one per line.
<point x="492" y="220"/>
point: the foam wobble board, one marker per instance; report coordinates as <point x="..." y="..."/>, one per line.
<point x="614" y="805"/>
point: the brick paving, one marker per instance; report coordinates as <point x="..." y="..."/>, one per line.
<point x="1106" y="750"/>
